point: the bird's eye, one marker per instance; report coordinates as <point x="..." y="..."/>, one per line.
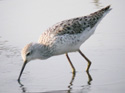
<point x="28" y="53"/>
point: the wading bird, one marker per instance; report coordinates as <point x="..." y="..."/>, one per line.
<point x="64" y="37"/>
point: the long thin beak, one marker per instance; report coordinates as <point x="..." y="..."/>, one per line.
<point x="22" y="70"/>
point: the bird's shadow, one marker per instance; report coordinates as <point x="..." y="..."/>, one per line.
<point x="70" y="85"/>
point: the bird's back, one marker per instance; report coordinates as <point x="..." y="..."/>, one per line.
<point x="83" y="27"/>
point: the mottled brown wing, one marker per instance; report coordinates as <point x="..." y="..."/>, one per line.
<point x="77" y="25"/>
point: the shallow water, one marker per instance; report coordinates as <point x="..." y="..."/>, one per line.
<point x="22" y="22"/>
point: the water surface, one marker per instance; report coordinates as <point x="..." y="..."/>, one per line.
<point x="22" y="22"/>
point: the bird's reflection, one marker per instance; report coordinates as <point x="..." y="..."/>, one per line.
<point x="70" y="85"/>
<point x="22" y="87"/>
<point x="24" y="90"/>
<point x="89" y="78"/>
<point x="73" y="78"/>
<point x="71" y="82"/>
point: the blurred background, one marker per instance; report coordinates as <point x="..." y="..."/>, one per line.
<point x="23" y="21"/>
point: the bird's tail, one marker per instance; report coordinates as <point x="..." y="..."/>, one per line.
<point x="103" y="11"/>
<point x="96" y="17"/>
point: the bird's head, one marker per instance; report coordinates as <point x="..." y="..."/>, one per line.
<point x="30" y="52"/>
<point x="27" y="52"/>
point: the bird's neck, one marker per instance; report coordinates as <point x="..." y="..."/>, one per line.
<point x="43" y="51"/>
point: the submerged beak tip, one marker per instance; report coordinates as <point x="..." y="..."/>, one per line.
<point x="18" y="80"/>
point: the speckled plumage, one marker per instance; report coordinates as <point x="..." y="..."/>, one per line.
<point x="64" y="37"/>
<point x="76" y="25"/>
<point x="71" y="33"/>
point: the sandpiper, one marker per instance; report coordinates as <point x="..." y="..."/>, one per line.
<point x="64" y="37"/>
